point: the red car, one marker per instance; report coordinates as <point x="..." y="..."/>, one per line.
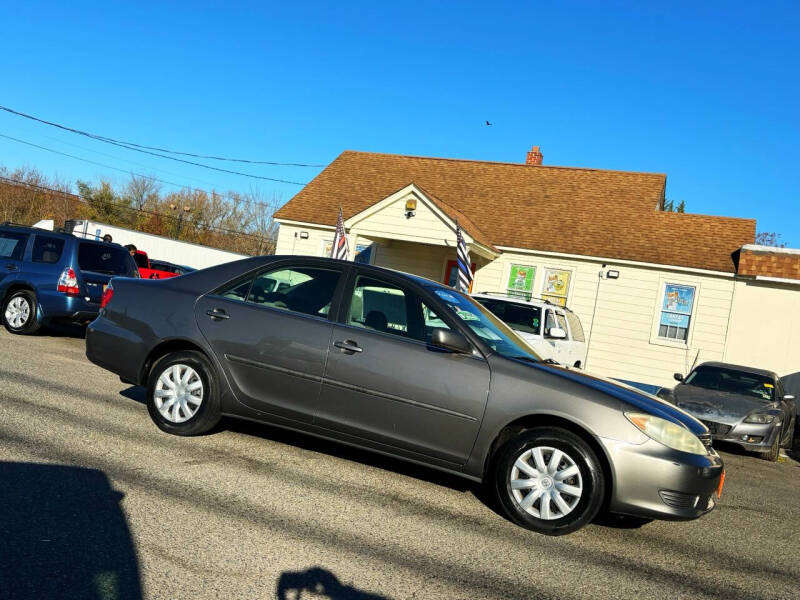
<point x="146" y="270"/>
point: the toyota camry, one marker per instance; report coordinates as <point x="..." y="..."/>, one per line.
<point x="407" y="367"/>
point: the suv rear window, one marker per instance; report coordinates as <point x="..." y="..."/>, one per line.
<point x="47" y="249"/>
<point x="517" y="316"/>
<point x="12" y="244"/>
<point x="104" y="258"/>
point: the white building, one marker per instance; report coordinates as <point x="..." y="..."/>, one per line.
<point x="688" y="288"/>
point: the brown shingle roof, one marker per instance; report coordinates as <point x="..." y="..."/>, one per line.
<point x="769" y="262"/>
<point x="592" y="212"/>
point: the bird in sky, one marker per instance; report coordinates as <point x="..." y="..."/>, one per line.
<point x="487" y="122"/>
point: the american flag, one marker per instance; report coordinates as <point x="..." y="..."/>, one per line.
<point x="339" y="249"/>
<point x="464" y="272"/>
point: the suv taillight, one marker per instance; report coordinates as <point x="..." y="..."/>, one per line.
<point x="108" y="293"/>
<point x="68" y="282"/>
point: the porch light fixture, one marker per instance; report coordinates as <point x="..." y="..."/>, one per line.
<point x="303" y="235"/>
<point x="411" y="207"/>
<point x="612" y="275"/>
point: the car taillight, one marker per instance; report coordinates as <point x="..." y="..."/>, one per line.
<point x="68" y="282"/>
<point x="108" y="293"/>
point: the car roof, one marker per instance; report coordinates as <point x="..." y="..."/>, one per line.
<point x="29" y="229"/>
<point x="742" y="368"/>
<point x="517" y="300"/>
<point x="423" y="281"/>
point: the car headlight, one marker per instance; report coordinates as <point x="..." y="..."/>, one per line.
<point x="667" y="433"/>
<point x="760" y="418"/>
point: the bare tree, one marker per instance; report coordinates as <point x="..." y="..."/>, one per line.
<point x="769" y="238"/>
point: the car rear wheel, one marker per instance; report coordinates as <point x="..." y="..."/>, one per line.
<point x="549" y="480"/>
<point x="20" y="313"/>
<point x="183" y="394"/>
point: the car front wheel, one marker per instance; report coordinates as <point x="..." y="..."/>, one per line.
<point x="549" y="480"/>
<point x="182" y="394"/>
<point x="20" y="313"/>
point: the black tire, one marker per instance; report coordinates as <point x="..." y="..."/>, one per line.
<point x="32" y="323"/>
<point x="207" y="415"/>
<point x="774" y="451"/>
<point x="579" y="452"/>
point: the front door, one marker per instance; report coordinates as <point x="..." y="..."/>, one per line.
<point x="451" y="273"/>
<point x="385" y="383"/>
<point x="270" y="332"/>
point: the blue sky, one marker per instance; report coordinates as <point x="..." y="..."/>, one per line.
<point x="704" y="92"/>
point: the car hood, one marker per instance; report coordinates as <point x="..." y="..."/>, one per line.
<point x="713" y="405"/>
<point x="635" y="398"/>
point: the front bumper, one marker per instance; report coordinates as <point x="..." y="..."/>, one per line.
<point x="651" y="480"/>
<point x="756" y="437"/>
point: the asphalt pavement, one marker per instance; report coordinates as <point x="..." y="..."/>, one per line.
<point x="96" y="502"/>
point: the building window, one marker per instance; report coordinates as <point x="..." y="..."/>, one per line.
<point x="520" y="281"/>
<point x="676" y="312"/>
<point x="556" y="286"/>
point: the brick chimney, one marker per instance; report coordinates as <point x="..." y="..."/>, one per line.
<point x="534" y="156"/>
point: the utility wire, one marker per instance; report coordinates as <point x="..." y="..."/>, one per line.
<point x="128" y="172"/>
<point x="83" y="200"/>
<point x="103" y="138"/>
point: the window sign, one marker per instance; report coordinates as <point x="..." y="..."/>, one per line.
<point x="364" y="253"/>
<point x="676" y="312"/>
<point x="520" y="281"/>
<point x="556" y="286"/>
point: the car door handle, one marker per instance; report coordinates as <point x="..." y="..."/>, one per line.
<point x="217" y="314"/>
<point x="11" y="267"/>
<point x="348" y="346"/>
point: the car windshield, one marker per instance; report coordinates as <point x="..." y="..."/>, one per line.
<point x="521" y="317"/>
<point x="494" y="333"/>
<point x="735" y="382"/>
<point x="105" y="258"/>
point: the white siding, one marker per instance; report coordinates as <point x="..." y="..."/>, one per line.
<point x="623" y="344"/>
<point x="765" y="327"/>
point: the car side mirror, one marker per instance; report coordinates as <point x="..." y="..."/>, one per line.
<point x="678" y="377"/>
<point x="450" y="340"/>
<point x="557" y="333"/>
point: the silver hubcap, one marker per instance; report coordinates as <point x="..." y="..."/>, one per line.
<point x="546" y="483"/>
<point x="179" y="393"/>
<point x="18" y="311"/>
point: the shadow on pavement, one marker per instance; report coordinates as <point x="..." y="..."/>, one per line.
<point x="135" y="393"/>
<point x="63" y="535"/>
<point x="319" y="583"/>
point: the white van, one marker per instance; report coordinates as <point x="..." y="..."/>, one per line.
<point x="552" y="331"/>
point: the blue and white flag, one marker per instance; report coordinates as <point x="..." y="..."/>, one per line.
<point x="464" y="272"/>
<point x="340" y="249"/>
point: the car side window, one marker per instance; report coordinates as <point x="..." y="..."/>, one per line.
<point x="549" y="321"/>
<point x="575" y="327"/>
<point x="305" y="290"/>
<point x="237" y="291"/>
<point x="562" y="322"/>
<point x="382" y="306"/>
<point x="12" y="244"/>
<point x="47" y="249"/>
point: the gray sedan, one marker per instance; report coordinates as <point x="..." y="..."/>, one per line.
<point x="741" y="405"/>
<point x="406" y="367"/>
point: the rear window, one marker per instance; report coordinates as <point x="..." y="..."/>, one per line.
<point x="141" y="260"/>
<point x="517" y="316"/>
<point x="47" y="249"/>
<point x="12" y="245"/>
<point x="105" y="258"/>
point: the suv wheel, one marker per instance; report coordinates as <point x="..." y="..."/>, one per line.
<point x="20" y="314"/>
<point x="549" y="480"/>
<point x="182" y="394"/>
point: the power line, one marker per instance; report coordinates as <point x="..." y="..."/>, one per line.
<point x="150" y="177"/>
<point x="103" y="138"/>
<point x="82" y="200"/>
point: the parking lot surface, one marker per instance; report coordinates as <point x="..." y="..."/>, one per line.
<point x="125" y="511"/>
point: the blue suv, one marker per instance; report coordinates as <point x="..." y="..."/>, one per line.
<point x="50" y="276"/>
